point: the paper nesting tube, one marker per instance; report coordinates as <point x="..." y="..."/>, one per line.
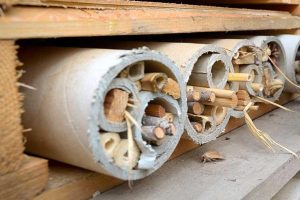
<point x="201" y="65"/>
<point x="67" y="115"/>
<point x="263" y="42"/>
<point x="291" y="44"/>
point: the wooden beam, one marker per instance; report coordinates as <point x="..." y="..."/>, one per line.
<point x="11" y="137"/>
<point x="68" y="182"/>
<point x="35" y="22"/>
<point x="26" y="182"/>
<point x="281" y="2"/>
<point x="96" y="4"/>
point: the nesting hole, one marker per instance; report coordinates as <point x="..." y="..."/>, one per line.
<point x="276" y="54"/>
<point x="218" y="71"/>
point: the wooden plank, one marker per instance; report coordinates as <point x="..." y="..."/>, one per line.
<point x="67" y="182"/>
<point x="249" y="170"/>
<point x="34" y="22"/>
<point x="25" y="182"/>
<point x="284" y="2"/>
<point x="125" y="3"/>
<point x="11" y="137"/>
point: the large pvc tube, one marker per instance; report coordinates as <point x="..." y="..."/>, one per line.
<point x="291" y="45"/>
<point x="67" y="115"/>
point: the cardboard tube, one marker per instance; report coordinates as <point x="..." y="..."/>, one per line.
<point x="109" y="141"/>
<point x="263" y="42"/>
<point x="168" y="144"/>
<point x="68" y="105"/>
<point x="257" y="80"/>
<point x="217" y="112"/>
<point x="203" y="65"/>
<point x="291" y="44"/>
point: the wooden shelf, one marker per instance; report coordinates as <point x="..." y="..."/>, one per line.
<point x="249" y="171"/>
<point x="41" y="22"/>
<point x="281" y="2"/>
<point x="68" y="182"/>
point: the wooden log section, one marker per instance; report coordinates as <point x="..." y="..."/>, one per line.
<point x="197" y="126"/>
<point x="115" y="105"/>
<point x="153" y="134"/>
<point x="172" y="88"/>
<point x="195" y="108"/>
<point x="155" y="110"/>
<point x="164" y="123"/>
<point x="154" y="82"/>
<point x="193" y="96"/>
<point x="205" y="94"/>
<point x="240" y="77"/>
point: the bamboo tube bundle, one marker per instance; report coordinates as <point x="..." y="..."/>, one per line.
<point x="242" y="52"/>
<point x="202" y="65"/>
<point x="87" y="108"/>
<point x="246" y="59"/>
<point x="291" y="45"/>
<point x="272" y="53"/>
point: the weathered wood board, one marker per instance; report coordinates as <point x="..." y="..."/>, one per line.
<point x="40" y="22"/>
<point x="27" y="181"/>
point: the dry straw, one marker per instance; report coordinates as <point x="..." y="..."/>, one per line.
<point x="261" y="135"/>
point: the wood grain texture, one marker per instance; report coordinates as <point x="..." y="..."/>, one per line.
<point x="34" y="22"/>
<point x="67" y="182"/>
<point x="284" y="2"/>
<point x="11" y="137"/>
<point x="123" y="3"/>
<point x="25" y="182"/>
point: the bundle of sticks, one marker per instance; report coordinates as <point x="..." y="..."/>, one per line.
<point x="207" y="106"/>
<point x="156" y="123"/>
